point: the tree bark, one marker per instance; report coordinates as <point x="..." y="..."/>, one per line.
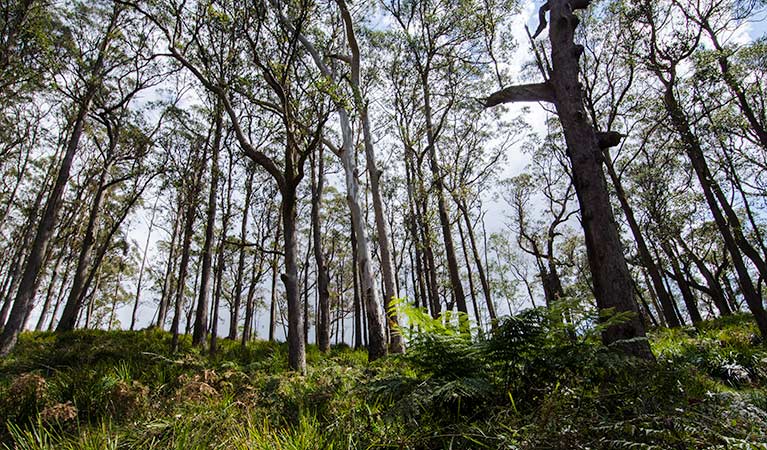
<point x="235" y="313"/>
<point x="200" y="330"/>
<point x="610" y="275"/>
<point x="143" y="265"/>
<point x="644" y="253"/>
<point x="323" y="279"/>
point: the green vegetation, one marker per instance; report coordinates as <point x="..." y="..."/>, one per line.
<point x="529" y="385"/>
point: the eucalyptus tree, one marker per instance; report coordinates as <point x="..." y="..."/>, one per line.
<point x="667" y="41"/>
<point x="613" y="285"/>
<point x="201" y="310"/>
<point x="93" y="57"/>
<point x="272" y="93"/>
<point x="614" y="102"/>
<point x="537" y="231"/>
<point x="123" y="150"/>
<point x="378" y="344"/>
<point x="445" y="45"/>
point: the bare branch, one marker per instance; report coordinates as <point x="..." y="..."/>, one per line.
<point x="538" y="92"/>
<point x="541" y="19"/>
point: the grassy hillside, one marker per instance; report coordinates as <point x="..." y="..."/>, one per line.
<point x="527" y="386"/>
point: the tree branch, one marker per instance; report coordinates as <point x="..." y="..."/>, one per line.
<point x="538" y="92"/>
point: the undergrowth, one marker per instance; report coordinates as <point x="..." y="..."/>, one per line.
<point x="531" y="384"/>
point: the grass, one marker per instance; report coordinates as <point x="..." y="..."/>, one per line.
<point x="528" y="386"/>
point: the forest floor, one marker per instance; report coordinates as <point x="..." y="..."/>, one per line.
<point x="528" y="386"/>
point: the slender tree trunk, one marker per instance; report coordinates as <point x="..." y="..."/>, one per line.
<point x="249" y="303"/>
<point x="356" y="298"/>
<point x="377" y="344"/>
<point x="143" y="264"/>
<point x="34" y="262"/>
<point x="296" y="347"/>
<point x="167" y="283"/>
<point x="472" y="291"/>
<point x="306" y="292"/>
<point x="323" y="279"/>
<point x="478" y="263"/>
<point x="234" y="316"/>
<point x="60" y="295"/>
<point x="219" y="268"/>
<point x="644" y="252"/>
<point x="273" y="303"/>
<point x="437" y="180"/>
<point x="200" y="331"/>
<point x="689" y="299"/>
<point x="413" y="228"/>
<point x="715" y="288"/>
<point x="189" y="219"/>
<point x="49" y="294"/>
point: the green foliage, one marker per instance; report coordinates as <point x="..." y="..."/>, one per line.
<point x="529" y="384"/>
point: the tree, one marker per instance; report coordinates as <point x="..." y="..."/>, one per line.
<point x="93" y="74"/>
<point x="613" y="285"/>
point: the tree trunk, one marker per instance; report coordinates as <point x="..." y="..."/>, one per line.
<point x="60" y="295"/>
<point x="235" y="313"/>
<point x="413" y="228"/>
<point x="644" y="253"/>
<point x="708" y="185"/>
<point x="167" y="283"/>
<point x="49" y="294"/>
<point x="273" y="303"/>
<point x="249" y="303"/>
<point x="610" y="275"/>
<point x="689" y="298"/>
<point x="219" y="268"/>
<point x="189" y="219"/>
<point x="143" y="264"/>
<point x="200" y="331"/>
<point x="377" y="344"/>
<point x="296" y="347"/>
<point x="356" y="298"/>
<point x="477" y="316"/>
<point x="437" y="180"/>
<point x="715" y="288"/>
<point x="478" y="263"/>
<point x="323" y="279"/>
